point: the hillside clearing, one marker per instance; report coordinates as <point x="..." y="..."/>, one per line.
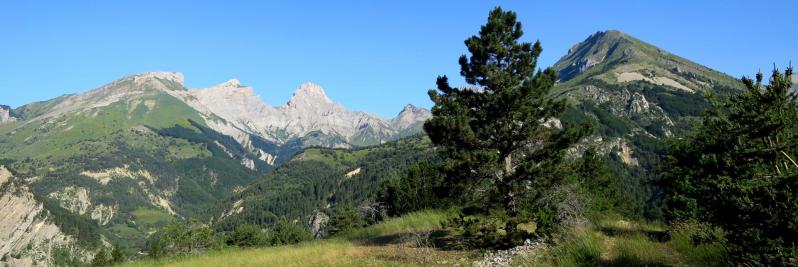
<point x="396" y="242"/>
<point x="615" y="242"/>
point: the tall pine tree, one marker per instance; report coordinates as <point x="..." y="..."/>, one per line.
<point x="492" y="134"/>
<point x="738" y="171"/>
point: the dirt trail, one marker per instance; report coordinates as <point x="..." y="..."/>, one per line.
<point x="608" y="248"/>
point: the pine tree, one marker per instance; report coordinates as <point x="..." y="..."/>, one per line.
<point x="738" y="169"/>
<point x="116" y="255"/>
<point x="601" y="186"/>
<point x="101" y="258"/>
<point x="492" y="133"/>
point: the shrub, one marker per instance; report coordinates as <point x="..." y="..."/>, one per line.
<point x="345" y="219"/>
<point x="285" y="232"/>
<point x="181" y="239"/>
<point x="421" y="188"/>
<point x="247" y="235"/>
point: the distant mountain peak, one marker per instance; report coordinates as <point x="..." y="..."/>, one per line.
<point x="232" y="86"/>
<point x="409" y="116"/>
<point x="409" y="107"/>
<point x="309" y="93"/>
<point x="231" y="83"/>
<point x="163" y="75"/>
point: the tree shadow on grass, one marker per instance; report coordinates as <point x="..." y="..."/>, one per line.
<point x="387" y="239"/>
<point x="631" y="262"/>
<point x="660" y="236"/>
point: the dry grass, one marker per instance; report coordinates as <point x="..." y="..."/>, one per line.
<point x="396" y="242"/>
<point x="615" y="242"/>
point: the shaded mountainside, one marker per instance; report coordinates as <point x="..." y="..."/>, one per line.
<point x="638" y="95"/>
<point x="319" y="179"/>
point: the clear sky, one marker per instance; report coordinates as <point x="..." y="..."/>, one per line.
<point x="373" y="56"/>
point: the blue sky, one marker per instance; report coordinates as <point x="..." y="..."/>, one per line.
<point x="372" y="56"/>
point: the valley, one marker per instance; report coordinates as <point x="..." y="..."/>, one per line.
<point x="620" y="153"/>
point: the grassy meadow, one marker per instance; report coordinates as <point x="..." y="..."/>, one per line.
<point x="405" y="241"/>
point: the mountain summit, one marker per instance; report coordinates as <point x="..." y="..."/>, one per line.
<point x="636" y="93"/>
<point x="616" y="57"/>
<point x="592" y="51"/>
<point x="309" y="94"/>
<point x="409" y="116"/>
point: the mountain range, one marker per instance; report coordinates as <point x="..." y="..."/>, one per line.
<point x="117" y="163"/>
<point x="123" y="159"/>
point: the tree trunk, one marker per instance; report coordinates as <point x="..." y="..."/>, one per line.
<point x="505" y="188"/>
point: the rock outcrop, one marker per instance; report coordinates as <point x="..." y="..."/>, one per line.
<point x="410" y="116"/>
<point x="27" y="236"/>
<point x="7" y="114"/>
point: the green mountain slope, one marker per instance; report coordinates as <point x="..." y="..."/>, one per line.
<point x="637" y="95"/>
<point x="615" y="57"/>
<point x="128" y="156"/>
<point x="319" y="179"/>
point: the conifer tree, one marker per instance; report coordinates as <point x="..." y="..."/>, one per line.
<point x="492" y="134"/>
<point x="116" y="255"/>
<point x="101" y="258"/>
<point x="738" y="171"/>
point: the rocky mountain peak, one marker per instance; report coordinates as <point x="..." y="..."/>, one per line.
<point x="7" y="114"/>
<point x="231" y="83"/>
<point x="176" y="77"/>
<point x="309" y="94"/>
<point x="232" y="87"/>
<point x="233" y="100"/>
<point x="408" y="108"/>
<point x="594" y="50"/>
<point x="409" y="116"/>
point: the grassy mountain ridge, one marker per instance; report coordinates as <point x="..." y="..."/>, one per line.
<point x="608" y="54"/>
<point x="637" y="95"/>
<point x="113" y="156"/>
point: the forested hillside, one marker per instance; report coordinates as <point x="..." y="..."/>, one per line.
<point x="319" y="180"/>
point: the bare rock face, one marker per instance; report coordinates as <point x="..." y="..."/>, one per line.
<point x="318" y="221"/>
<point x="309" y="110"/>
<point x="6" y="114"/>
<point x="26" y="233"/>
<point x="410" y="115"/>
<point x="638" y="104"/>
<point x="238" y="105"/>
